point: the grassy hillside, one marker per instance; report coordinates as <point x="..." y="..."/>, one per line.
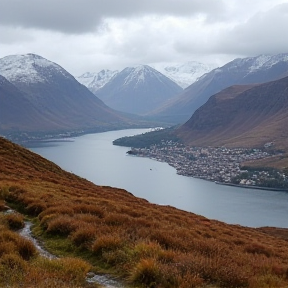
<point x="147" y="245"/>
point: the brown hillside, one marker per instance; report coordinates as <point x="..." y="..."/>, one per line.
<point x="242" y="116"/>
<point x="147" y="245"/>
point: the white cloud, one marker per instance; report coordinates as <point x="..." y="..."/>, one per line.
<point x="264" y="33"/>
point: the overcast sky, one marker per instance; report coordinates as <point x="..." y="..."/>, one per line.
<point x="90" y="35"/>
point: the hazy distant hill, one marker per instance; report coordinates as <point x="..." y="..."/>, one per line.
<point x="184" y="74"/>
<point x="52" y="97"/>
<point x="258" y="69"/>
<point x="246" y="116"/>
<point x="138" y="90"/>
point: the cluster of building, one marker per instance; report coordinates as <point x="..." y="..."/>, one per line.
<point x="216" y="164"/>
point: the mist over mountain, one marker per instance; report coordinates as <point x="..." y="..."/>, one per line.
<point x="184" y="74"/>
<point x="250" y="70"/>
<point x="138" y="90"/>
<point x="52" y="98"/>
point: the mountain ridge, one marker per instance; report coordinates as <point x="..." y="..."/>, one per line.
<point x="259" y="69"/>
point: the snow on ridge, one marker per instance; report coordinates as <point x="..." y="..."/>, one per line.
<point x="136" y="73"/>
<point x="263" y="61"/>
<point x="25" y="68"/>
<point x="95" y="81"/>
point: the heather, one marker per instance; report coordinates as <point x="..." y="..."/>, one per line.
<point x="144" y="244"/>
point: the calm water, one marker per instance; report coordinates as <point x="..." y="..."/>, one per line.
<point x="95" y="158"/>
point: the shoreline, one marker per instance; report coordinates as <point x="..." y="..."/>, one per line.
<point x="252" y="187"/>
<point x="218" y="182"/>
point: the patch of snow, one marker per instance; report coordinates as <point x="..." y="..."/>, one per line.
<point x="136" y="74"/>
<point x="95" y="81"/>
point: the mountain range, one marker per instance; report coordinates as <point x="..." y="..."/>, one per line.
<point x="138" y="90"/>
<point x="250" y="70"/>
<point x="37" y="94"/>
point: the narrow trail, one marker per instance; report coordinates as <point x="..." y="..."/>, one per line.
<point x="104" y="280"/>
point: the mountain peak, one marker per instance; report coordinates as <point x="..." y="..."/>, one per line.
<point x="28" y="68"/>
<point x="138" y="74"/>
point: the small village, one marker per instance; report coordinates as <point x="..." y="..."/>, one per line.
<point x="220" y="164"/>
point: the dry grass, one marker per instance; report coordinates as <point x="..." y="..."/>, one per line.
<point x="21" y="266"/>
<point x="150" y="245"/>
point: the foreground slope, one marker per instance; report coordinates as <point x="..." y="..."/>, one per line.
<point x="244" y="71"/>
<point x="242" y="116"/>
<point x="148" y="245"/>
<point x="51" y="91"/>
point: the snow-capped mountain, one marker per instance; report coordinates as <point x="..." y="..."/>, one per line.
<point x="94" y="81"/>
<point x="260" y="69"/>
<point x="30" y="68"/>
<point x="138" y="90"/>
<point x="56" y="95"/>
<point x="184" y="74"/>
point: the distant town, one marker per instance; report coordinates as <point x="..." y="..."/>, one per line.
<point x="221" y="164"/>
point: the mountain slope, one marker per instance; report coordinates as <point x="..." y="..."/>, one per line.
<point x="138" y="90"/>
<point x="246" y="116"/>
<point x="56" y="95"/>
<point x="16" y="112"/>
<point x="259" y="69"/>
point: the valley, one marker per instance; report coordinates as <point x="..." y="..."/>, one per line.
<point x="235" y="136"/>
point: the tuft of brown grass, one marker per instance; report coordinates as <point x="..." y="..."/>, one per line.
<point x="106" y="243"/>
<point x="84" y="236"/>
<point x="35" y="208"/>
<point x="147" y="273"/>
<point x="62" y="225"/>
<point x="14" y="221"/>
<point x="258" y="248"/>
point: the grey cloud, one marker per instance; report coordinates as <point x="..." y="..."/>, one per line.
<point x="13" y="36"/>
<point x="80" y="16"/>
<point x="265" y="33"/>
